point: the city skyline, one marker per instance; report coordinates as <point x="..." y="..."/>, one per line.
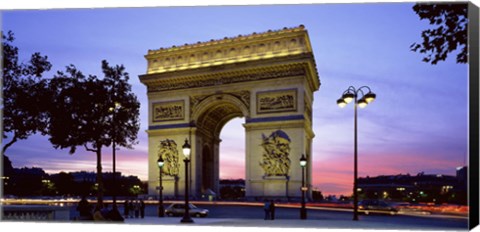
<point x="417" y="123"/>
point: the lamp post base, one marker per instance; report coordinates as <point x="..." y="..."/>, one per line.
<point x="161" y="211"/>
<point x="303" y="214"/>
<point x="186" y="220"/>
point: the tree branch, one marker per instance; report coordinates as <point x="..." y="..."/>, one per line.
<point x="15" y="139"/>
<point x="89" y="149"/>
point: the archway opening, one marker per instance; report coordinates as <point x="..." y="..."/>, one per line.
<point x="220" y="131"/>
<point x="232" y="150"/>
<point x="232" y="160"/>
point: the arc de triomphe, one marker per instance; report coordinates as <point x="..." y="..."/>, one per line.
<point x="195" y="89"/>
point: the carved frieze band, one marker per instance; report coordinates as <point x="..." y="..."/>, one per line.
<point x="192" y="82"/>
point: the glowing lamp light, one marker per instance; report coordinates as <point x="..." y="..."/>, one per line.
<point x="303" y="161"/>
<point x="348" y="97"/>
<point x="160" y="162"/>
<point x="341" y="102"/>
<point x="362" y="103"/>
<point x="369" y="97"/>
<point x="186" y="149"/>
<point x="117" y="106"/>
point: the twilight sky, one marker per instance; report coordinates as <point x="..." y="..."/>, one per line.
<point x="417" y="123"/>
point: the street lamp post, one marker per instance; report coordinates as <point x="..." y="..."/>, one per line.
<point x="161" y="212"/>
<point x="186" y="151"/>
<point x="303" y="210"/>
<point x="114" y="111"/>
<point x="348" y="95"/>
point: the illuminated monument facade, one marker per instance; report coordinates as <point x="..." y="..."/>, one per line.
<point x="195" y="89"/>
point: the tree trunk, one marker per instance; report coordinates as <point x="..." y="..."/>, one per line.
<point x="15" y="139"/>
<point x="99" y="179"/>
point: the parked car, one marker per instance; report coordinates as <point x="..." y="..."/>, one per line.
<point x="178" y="209"/>
<point x="377" y="206"/>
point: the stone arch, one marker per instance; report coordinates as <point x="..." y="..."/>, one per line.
<point x="216" y="99"/>
<point x="210" y="115"/>
<point x="267" y="78"/>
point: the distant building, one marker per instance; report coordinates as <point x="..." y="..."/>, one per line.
<point x="83" y="176"/>
<point x="462" y="175"/>
<point x="91" y="177"/>
<point x="232" y="183"/>
<point x="232" y="189"/>
<point x="418" y="188"/>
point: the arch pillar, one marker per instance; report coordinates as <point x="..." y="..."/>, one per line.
<point x="261" y="184"/>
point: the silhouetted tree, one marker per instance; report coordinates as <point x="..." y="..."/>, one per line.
<point x="27" y="181"/>
<point x="81" y="113"/>
<point x="24" y="105"/>
<point x="126" y="183"/>
<point x="317" y="195"/>
<point x="64" y="183"/>
<point x="7" y="166"/>
<point x="449" y="35"/>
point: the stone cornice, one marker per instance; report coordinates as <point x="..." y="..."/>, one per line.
<point x="281" y="43"/>
<point x="298" y="65"/>
<point x="222" y="78"/>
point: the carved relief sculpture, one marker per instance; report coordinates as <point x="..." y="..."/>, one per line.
<point x="277" y="101"/>
<point x="166" y="111"/>
<point x="276" y="161"/>
<point x="169" y="153"/>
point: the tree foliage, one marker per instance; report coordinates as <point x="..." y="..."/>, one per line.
<point x="81" y="112"/>
<point x="24" y="102"/>
<point x="73" y="109"/>
<point x="449" y="35"/>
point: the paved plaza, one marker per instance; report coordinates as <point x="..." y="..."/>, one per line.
<point x="284" y="223"/>
<point x="241" y="224"/>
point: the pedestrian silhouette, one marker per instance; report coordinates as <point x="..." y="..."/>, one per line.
<point x="142" y="208"/>
<point x="136" y="206"/>
<point x="272" y="210"/>
<point x="126" y="208"/>
<point x="131" y="209"/>
<point x="266" y="208"/>
<point x="105" y="212"/>
<point x="85" y="209"/>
